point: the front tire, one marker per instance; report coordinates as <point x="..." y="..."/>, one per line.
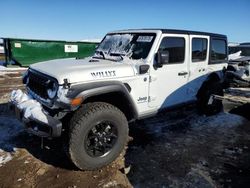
<point x="98" y="134"/>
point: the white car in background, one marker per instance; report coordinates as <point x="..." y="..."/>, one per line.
<point x="238" y="71"/>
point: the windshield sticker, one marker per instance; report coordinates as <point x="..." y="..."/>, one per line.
<point x="144" y="39"/>
<point x="103" y="74"/>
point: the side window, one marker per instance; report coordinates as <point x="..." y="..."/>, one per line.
<point x="218" y="50"/>
<point x="176" y="48"/>
<point x="199" y="49"/>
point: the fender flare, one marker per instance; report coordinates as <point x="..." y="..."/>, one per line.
<point x="88" y="90"/>
<point x="213" y="77"/>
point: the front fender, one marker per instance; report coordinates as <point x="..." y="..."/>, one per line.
<point x="99" y="88"/>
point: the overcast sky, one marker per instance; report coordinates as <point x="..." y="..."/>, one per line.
<point x="77" y="20"/>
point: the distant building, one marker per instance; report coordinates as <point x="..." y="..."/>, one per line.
<point x="233" y="44"/>
<point x="91" y="40"/>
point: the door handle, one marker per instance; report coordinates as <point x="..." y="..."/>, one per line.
<point x="182" y="73"/>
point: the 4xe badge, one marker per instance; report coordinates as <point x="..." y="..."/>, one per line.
<point x="103" y="74"/>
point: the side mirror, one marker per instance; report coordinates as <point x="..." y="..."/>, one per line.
<point x="162" y="57"/>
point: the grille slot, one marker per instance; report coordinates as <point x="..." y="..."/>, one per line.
<point x="38" y="84"/>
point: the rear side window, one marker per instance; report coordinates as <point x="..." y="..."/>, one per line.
<point x="199" y="49"/>
<point x="176" y="48"/>
<point x="218" y="50"/>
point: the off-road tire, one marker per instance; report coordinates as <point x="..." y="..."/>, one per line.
<point x="203" y="96"/>
<point x="83" y="121"/>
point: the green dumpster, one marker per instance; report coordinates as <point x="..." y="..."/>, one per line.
<point x="24" y="52"/>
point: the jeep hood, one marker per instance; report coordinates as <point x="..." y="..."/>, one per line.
<point x="81" y="70"/>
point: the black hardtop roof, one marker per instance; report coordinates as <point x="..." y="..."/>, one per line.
<point x="177" y="31"/>
<point x="192" y="32"/>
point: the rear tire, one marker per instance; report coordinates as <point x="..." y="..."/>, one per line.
<point x="203" y="96"/>
<point x="98" y="134"/>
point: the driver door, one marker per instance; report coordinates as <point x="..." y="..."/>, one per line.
<point x="168" y="83"/>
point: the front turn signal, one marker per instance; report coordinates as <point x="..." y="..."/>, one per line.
<point x="76" y="101"/>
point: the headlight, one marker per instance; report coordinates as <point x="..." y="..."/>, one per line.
<point x="52" y="90"/>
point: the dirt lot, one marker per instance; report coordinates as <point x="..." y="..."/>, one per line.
<point x="24" y="164"/>
<point x="175" y="149"/>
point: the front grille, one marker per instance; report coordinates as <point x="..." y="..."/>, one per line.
<point x="38" y="83"/>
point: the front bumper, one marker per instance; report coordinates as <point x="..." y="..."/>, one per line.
<point x="35" y="119"/>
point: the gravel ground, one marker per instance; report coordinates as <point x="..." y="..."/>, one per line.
<point x="174" y="149"/>
<point x="183" y="149"/>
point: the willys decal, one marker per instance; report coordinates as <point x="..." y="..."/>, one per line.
<point x="103" y="74"/>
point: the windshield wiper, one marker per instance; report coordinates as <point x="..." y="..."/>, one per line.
<point x="117" y="54"/>
<point x="101" y="53"/>
<point x="109" y="55"/>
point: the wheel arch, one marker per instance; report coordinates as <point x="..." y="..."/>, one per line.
<point x="115" y="93"/>
<point x="214" y="77"/>
<point x="211" y="78"/>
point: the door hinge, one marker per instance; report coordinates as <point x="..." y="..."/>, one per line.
<point x="152" y="78"/>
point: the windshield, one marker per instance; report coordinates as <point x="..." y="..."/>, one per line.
<point x="132" y="45"/>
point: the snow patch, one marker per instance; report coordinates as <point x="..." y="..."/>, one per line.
<point x="110" y="184"/>
<point x="223" y="120"/>
<point x="30" y="107"/>
<point x="234" y="56"/>
<point x="3" y="68"/>
<point x="17" y="96"/>
<point x="4" y="158"/>
<point x="115" y="44"/>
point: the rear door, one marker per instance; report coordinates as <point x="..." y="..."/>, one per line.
<point x="168" y="83"/>
<point x="198" y="66"/>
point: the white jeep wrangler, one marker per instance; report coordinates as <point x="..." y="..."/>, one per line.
<point x="132" y="75"/>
